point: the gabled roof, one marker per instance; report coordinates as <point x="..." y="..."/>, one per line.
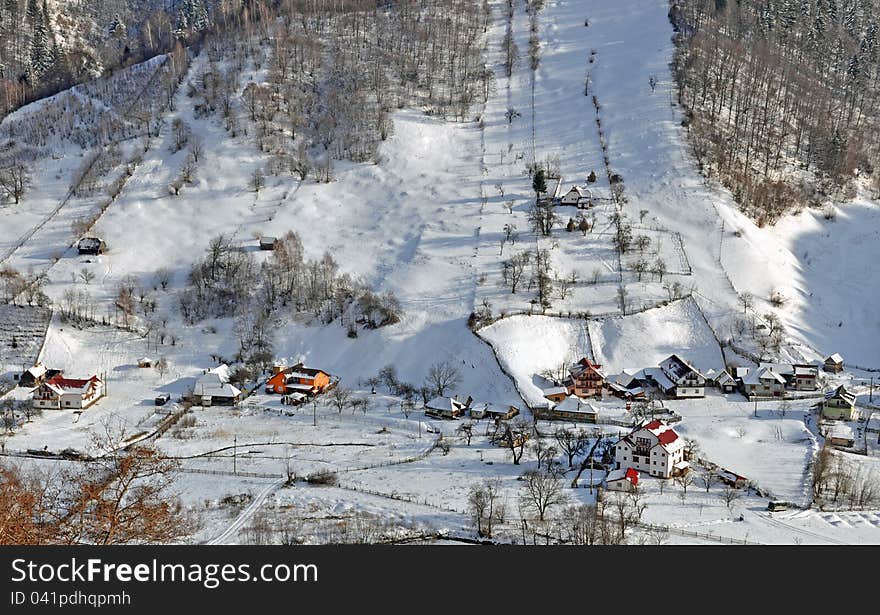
<point x="835" y="358"/>
<point x="584" y="365"/>
<point x="445" y="403"/>
<point x="667" y="438"/>
<point x="215" y="383"/>
<point x="723" y="377"/>
<point x="37" y="371"/>
<point x="783" y="369"/>
<point x="677" y="368"/>
<point x="63" y="386"/>
<point x="761" y="375"/>
<point x="841" y="393"/>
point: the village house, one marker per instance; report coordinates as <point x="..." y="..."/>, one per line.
<point x="297" y="379"/>
<point x="145" y="362"/>
<point x="799" y="377"/>
<point x="91" y="245"/>
<point x="36" y="375"/>
<point x="448" y="407"/>
<point x="213" y="388"/>
<point x="678" y="378"/>
<point x="499" y="412"/>
<point x="762" y="383"/>
<point x="555" y="394"/>
<point x="572" y="408"/>
<point x="725" y="382"/>
<point x="731" y="479"/>
<point x="833" y="364"/>
<point x="654" y="448"/>
<point x="267" y="243"/>
<point x="622" y="480"/>
<point x="59" y="392"/>
<point x="840" y="435"/>
<point x="585" y="379"/>
<point x="839" y="404"/>
<point x="625" y="386"/>
<point x="577" y="197"/>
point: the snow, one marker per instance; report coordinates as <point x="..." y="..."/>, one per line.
<point x="414" y="223"/>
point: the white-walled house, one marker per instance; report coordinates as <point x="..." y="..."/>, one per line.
<point x="62" y="393"/>
<point x="213" y="388"/>
<point x="654" y="448"/>
<point x="686" y="380"/>
<point x="763" y="382"/>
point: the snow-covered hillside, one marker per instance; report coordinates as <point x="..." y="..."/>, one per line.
<point x="426" y="221"/>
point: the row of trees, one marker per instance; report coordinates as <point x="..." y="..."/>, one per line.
<point x="121" y="498"/>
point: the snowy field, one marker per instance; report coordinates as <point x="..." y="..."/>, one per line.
<point x="425" y="221"/>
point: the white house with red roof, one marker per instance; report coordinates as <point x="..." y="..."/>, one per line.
<point x="61" y="393"/>
<point x="654" y="448"/>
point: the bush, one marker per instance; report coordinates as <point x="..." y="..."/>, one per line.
<point x="326" y="478"/>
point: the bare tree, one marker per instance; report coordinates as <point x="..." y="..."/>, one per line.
<point x="542" y="490"/>
<point x="15" y="180"/>
<point x="485" y="507"/>
<point x="442" y="376"/>
<point x="513" y="435"/>
<point x="340" y="398"/>
<point x="467" y="431"/>
<point x="707" y="477"/>
<point x="572" y="442"/>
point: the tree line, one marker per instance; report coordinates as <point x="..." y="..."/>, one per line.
<point x="780" y="98"/>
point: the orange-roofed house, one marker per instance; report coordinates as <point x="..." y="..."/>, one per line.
<point x="61" y="393"/>
<point x="298" y="379"/>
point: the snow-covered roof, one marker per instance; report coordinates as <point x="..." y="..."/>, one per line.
<point x="841" y="393"/>
<point x="805" y="370"/>
<point x="573" y="403"/>
<point x="835" y="358"/>
<point x="677" y="368"/>
<point x="37" y="371"/>
<point x="841" y="431"/>
<point x="444" y="403"/>
<point x="783" y="369"/>
<point x="761" y="375"/>
<point x="215" y="383"/>
<point x="555" y="391"/>
<point x="723" y="377"/>
<point x="657" y="375"/>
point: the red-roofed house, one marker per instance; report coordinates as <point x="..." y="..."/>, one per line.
<point x="622" y="480"/>
<point x="653" y="448"/>
<point x="59" y="393"/>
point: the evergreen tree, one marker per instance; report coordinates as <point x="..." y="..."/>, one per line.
<point x="539" y="183"/>
<point x="40" y="54"/>
<point x="33" y="15"/>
